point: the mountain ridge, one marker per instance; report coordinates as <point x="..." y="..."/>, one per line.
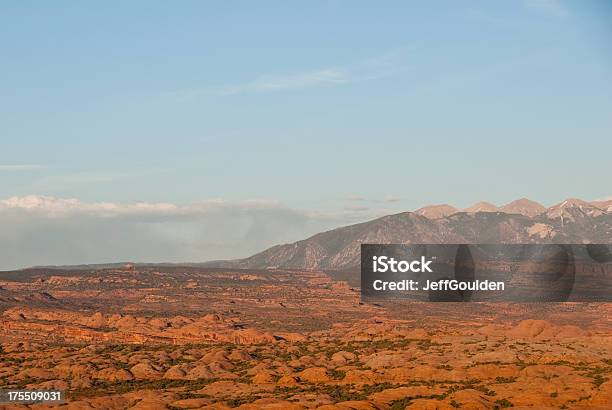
<point x="570" y="221"/>
<point x="520" y="221"/>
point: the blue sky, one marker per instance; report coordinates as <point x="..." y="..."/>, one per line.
<point x="319" y="106"/>
<point x="294" y="101"/>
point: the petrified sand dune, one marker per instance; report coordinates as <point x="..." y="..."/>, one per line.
<point x="294" y="340"/>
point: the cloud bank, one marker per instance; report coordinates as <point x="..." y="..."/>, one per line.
<point x="41" y="230"/>
<point x="20" y="167"/>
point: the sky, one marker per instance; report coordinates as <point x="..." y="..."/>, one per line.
<point x="158" y="131"/>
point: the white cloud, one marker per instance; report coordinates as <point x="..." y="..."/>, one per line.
<point x="50" y="206"/>
<point x="44" y="230"/>
<point x="366" y="70"/>
<point x="552" y="8"/>
<point x="21" y="167"/>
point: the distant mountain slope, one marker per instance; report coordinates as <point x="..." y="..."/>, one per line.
<point x="572" y="221"/>
<point x="520" y="221"/>
<point x="482" y="207"/>
<point x="436" y="211"/>
<point x="605" y="205"/>
<point x="573" y="209"/>
<point x="339" y="248"/>
<point x="523" y="206"/>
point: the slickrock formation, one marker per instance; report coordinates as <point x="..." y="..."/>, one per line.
<point x="203" y="338"/>
<point x="76" y="327"/>
<point x="377" y="363"/>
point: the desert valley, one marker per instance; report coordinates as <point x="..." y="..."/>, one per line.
<point x="286" y="329"/>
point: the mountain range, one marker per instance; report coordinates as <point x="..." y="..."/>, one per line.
<point x="520" y="221"/>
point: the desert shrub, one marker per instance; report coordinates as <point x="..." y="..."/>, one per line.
<point x="598" y="380"/>
<point x="337" y="374"/>
<point x="500" y="379"/>
<point x="238" y="401"/>
<point x="406" y="401"/>
<point x="502" y="404"/>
